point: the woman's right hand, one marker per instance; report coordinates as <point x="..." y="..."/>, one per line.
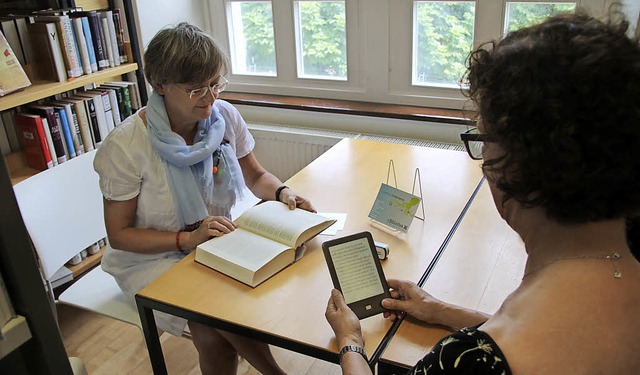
<point x="409" y="298"/>
<point x="211" y="226"/>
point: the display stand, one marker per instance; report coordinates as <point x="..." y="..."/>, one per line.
<point x="392" y="170"/>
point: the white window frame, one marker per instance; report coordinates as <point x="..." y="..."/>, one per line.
<point x="379" y="47"/>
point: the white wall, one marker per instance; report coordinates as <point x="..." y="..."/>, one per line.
<point x="153" y="15"/>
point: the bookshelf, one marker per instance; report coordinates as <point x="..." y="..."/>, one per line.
<point x="32" y="342"/>
<point x="44" y="89"/>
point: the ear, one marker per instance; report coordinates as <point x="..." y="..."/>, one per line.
<point x="158" y="88"/>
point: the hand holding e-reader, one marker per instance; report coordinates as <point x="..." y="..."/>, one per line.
<point x="356" y="272"/>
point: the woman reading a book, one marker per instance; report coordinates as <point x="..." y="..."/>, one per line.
<point x="170" y="175"/>
<point x="559" y="113"/>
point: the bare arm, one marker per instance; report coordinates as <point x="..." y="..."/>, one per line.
<point x="263" y="184"/>
<point x="119" y="218"/>
<point x="346" y="326"/>
<point x="409" y="298"/>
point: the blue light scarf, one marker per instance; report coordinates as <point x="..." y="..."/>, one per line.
<point x="195" y="191"/>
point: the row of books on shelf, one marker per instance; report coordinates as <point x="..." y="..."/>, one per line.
<point x="62" y="44"/>
<point x="54" y="130"/>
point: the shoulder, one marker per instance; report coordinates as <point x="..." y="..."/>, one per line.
<point x="125" y="140"/>
<point x="468" y="351"/>
<point x="230" y="113"/>
<point x="225" y="107"/>
<point x="132" y="129"/>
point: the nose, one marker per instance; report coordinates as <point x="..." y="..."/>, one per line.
<point x="211" y="96"/>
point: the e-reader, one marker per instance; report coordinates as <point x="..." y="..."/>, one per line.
<point x="356" y="272"/>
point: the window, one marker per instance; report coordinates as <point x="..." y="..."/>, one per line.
<point x="321" y="39"/>
<point x="443" y="37"/>
<point x="251" y="38"/>
<point x="400" y="51"/>
<point x="519" y="15"/>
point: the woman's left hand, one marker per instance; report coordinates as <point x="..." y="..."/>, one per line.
<point x="291" y="199"/>
<point x="343" y="321"/>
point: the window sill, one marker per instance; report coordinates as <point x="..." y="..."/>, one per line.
<point x="404" y="112"/>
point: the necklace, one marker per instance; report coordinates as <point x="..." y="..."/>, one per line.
<point x="614" y="257"/>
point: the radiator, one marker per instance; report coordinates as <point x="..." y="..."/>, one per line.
<point x="284" y="150"/>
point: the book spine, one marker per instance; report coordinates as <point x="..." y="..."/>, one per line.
<point x="47" y="134"/>
<point x="110" y="105"/>
<point x="120" y="100"/>
<point x="101" y="116"/>
<point x="117" y="20"/>
<point x="93" y="119"/>
<point x="98" y="43"/>
<point x="56" y="135"/>
<point x="65" y="134"/>
<point x="135" y="96"/>
<point x="83" y="124"/>
<point x="10" y="32"/>
<point x="86" y="31"/>
<point x="113" y="37"/>
<point x="74" y="129"/>
<point x="70" y="45"/>
<point x="44" y="144"/>
<point x="82" y="45"/>
<point x="25" y="39"/>
<point x="56" y="51"/>
<point x="115" y="110"/>
<point x="107" y="41"/>
<point x="108" y="113"/>
<point x="127" y="101"/>
<point x="65" y="38"/>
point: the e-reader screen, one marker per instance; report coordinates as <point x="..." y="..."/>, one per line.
<point x="356" y="271"/>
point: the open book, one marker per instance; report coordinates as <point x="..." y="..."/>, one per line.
<point x="264" y="243"/>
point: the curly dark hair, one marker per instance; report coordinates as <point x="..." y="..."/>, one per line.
<point x="561" y="99"/>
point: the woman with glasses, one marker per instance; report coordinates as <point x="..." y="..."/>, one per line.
<point x="559" y="133"/>
<point x="170" y="175"/>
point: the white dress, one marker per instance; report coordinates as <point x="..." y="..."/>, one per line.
<point x="128" y="167"/>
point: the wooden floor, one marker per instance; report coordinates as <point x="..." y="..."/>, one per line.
<point x="107" y="346"/>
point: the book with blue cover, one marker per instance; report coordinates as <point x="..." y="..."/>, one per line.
<point x="66" y="131"/>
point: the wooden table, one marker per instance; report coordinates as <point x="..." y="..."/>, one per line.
<point x="480" y="267"/>
<point x="288" y="309"/>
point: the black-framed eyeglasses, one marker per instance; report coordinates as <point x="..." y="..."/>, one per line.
<point x="474" y="142"/>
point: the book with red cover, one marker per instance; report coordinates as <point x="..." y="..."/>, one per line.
<point x="56" y="133"/>
<point x="33" y="141"/>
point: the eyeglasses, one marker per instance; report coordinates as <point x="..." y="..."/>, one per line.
<point x="474" y="142"/>
<point x="203" y="91"/>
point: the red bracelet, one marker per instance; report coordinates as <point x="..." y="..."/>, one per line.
<point x="178" y="240"/>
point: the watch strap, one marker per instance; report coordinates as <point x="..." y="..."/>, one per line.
<point x="353" y="348"/>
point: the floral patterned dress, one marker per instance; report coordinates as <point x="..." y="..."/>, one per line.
<point x="468" y="351"/>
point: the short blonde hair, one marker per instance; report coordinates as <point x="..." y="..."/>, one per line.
<point x="183" y="54"/>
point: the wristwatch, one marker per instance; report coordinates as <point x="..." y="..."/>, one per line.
<point x="353" y="348"/>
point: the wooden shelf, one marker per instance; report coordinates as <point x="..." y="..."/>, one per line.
<point x="15" y="333"/>
<point x="87" y="263"/>
<point x="44" y="89"/>
<point x="18" y="169"/>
